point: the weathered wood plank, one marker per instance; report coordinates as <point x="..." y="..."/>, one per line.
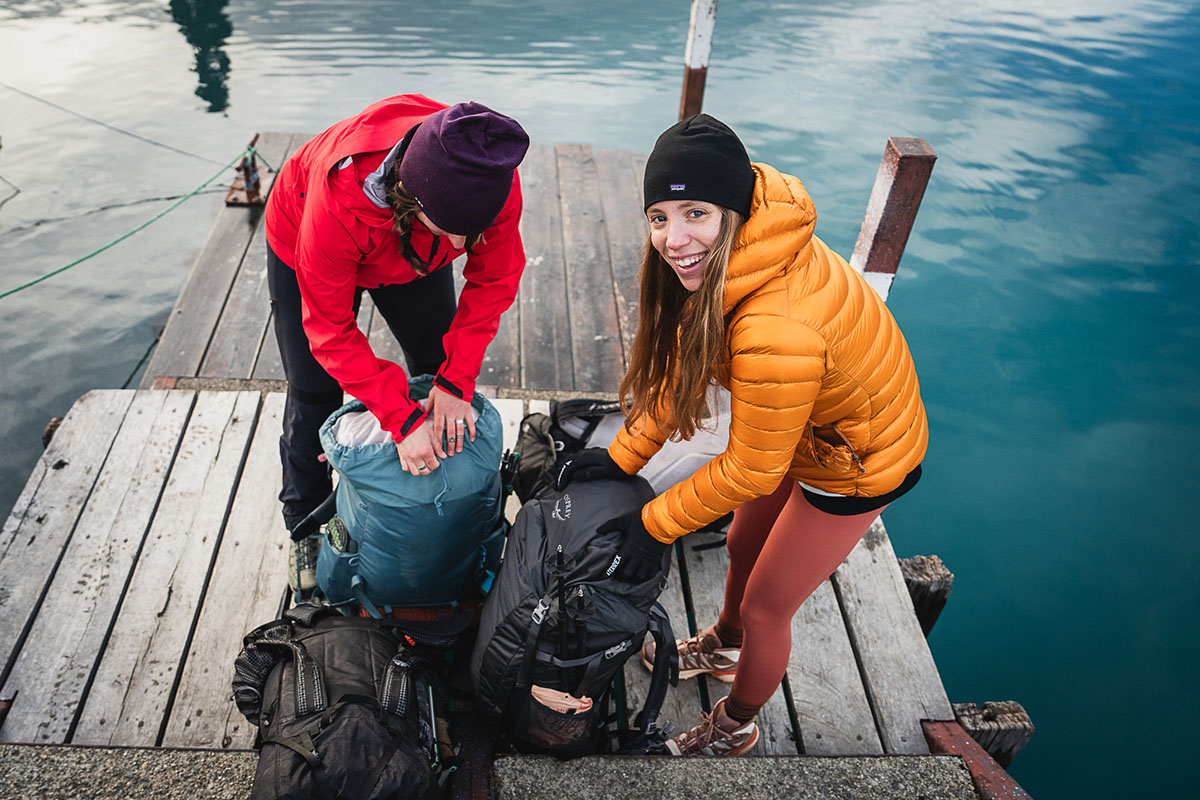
<point x="192" y="322"/>
<point x="239" y="333"/>
<point x="620" y="194"/>
<point x="1002" y="728"/>
<point x="502" y="361"/>
<point x="44" y="518"/>
<point x="682" y="704"/>
<point x="706" y="575"/>
<point x="269" y="366"/>
<point x="511" y="412"/>
<point x="242" y="594"/>
<point x="592" y="310"/>
<point x="51" y="673"/>
<point x="929" y="583"/>
<point x="898" y="670"/>
<point x="545" y="336"/>
<point x="833" y="717"/>
<point x="141" y="660"/>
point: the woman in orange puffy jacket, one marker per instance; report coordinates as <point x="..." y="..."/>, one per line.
<point x="827" y="424"/>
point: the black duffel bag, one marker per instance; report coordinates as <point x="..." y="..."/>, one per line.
<point x="344" y="708"/>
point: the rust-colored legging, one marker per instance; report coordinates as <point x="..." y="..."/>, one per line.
<point x="780" y="550"/>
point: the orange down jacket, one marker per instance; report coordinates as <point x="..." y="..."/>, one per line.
<point x="823" y="387"/>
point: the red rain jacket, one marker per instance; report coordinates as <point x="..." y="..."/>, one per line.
<point x="321" y="222"/>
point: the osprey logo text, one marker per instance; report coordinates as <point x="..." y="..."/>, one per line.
<point x="616" y="562"/>
<point x="562" y="508"/>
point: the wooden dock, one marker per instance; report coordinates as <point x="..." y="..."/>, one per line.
<point x="148" y="539"/>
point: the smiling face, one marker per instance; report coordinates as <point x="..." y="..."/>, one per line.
<point x="684" y="232"/>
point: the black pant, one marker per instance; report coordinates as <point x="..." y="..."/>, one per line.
<point x="418" y="314"/>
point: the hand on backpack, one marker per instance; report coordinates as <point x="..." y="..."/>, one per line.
<point x="640" y="555"/>
<point x="592" y="464"/>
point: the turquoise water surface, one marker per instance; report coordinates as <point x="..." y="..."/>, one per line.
<point x="1048" y="291"/>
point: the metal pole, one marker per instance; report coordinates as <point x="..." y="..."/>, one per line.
<point x="895" y="199"/>
<point x="695" y="59"/>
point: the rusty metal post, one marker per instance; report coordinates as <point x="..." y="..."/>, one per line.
<point x="695" y="59"/>
<point x="895" y="199"/>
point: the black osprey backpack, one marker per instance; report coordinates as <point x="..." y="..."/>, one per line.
<point x="555" y="629"/>
<point x="544" y="439"/>
<point x="344" y="707"/>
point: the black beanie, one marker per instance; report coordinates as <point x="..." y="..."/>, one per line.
<point x="700" y="158"/>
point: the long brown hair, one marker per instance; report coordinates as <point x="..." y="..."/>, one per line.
<point x="680" y="338"/>
<point x="404" y="210"/>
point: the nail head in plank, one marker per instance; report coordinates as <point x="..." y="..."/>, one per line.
<point x="194" y="319"/>
<point x="45" y="516"/>
<point x="899" y="674"/>
<point x="592" y="310"/>
<point x="129" y="697"/>
<point x="545" y="335"/>
<point x="52" y="670"/>
<point x="242" y="594"/>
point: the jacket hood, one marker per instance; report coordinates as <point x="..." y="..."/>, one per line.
<point x="777" y="234"/>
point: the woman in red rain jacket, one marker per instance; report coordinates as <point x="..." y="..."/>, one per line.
<point x="383" y="202"/>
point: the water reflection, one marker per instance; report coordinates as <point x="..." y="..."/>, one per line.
<point x="206" y="26"/>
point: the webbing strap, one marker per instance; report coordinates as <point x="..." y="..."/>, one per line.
<point x="309" y="686"/>
<point x="529" y="652"/>
<point x="307" y="750"/>
<point x="380" y="766"/>
<point x="397" y="687"/>
<point x="666" y="668"/>
<point x="360" y="594"/>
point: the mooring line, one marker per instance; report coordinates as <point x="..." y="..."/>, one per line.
<point x="102" y="123"/>
<point x="248" y="151"/>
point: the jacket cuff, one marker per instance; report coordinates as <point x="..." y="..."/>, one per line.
<point x="652" y="529"/>
<point x="461" y="387"/>
<point x="411" y="423"/>
<point x="625" y="458"/>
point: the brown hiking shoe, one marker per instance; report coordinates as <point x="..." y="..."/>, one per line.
<point x="700" y="654"/>
<point x="716" y="735"/>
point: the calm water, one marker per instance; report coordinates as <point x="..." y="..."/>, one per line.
<point x="1048" y="291"/>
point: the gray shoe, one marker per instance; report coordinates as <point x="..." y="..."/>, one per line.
<point x="302" y="564"/>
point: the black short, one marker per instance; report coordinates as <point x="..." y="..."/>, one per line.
<point x="850" y="506"/>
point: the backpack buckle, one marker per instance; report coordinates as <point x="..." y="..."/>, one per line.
<point x="539" y="613"/>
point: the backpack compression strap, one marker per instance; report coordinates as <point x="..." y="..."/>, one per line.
<point x="666" y="668"/>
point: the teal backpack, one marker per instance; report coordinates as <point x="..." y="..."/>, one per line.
<point x="399" y="539"/>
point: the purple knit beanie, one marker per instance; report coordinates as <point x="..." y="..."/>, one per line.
<point x="459" y="165"/>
